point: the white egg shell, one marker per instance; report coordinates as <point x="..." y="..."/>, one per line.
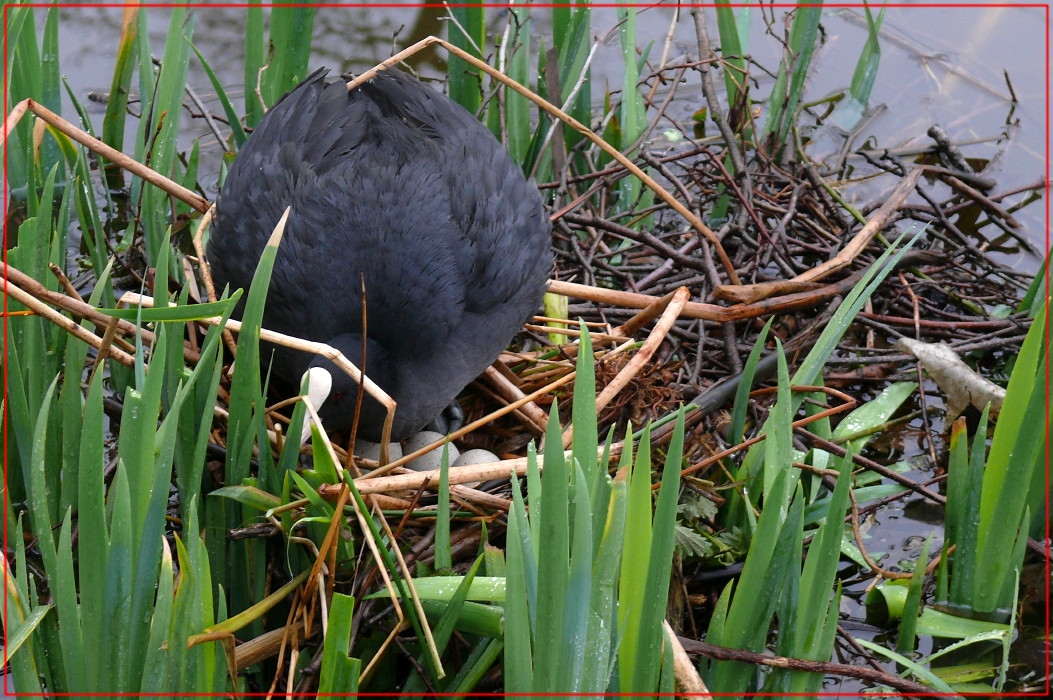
<point x="476" y="457"/>
<point x="371" y="450"/>
<point x="433" y="459"/>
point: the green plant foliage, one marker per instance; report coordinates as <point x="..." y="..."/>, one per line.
<point x="869" y="59"/>
<point x="981" y="578"/>
<point x="120" y="88"/>
<point x="516" y="51"/>
<point x="769" y="583"/>
<point x="632" y="114"/>
<point x="157" y="144"/>
<point x="590" y="624"/>
<point x="467" y="31"/>
<point x="571" y="26"/>
<point x="758" y="477"/>
<point x="577" y="599"/>
<point x="811" y="602"/>
<point x="908" y="624"/>
<point x="275" y="67"/>
<point x="733" y="29"/>
<point x="339" y="672"/>
<point x="788" y="91"/>
<point x="119" y="591"/>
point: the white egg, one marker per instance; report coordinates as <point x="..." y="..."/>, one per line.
<point x="371" y="450"/>
<point x="431" y="460"/>
<point x="476" y="457"/>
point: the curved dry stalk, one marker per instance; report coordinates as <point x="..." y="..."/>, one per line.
<point x="407" y="576"/>
<point x="573" y="123"/>
<point x="14" y="116"/>
<point x="674" y="304"/>
<point x="634" y="300"/>
<point x="289" y="341"/>
<point x="645" y="316"/>
<point x="295" y="343"/>
<point x="755" y="292"/>
<point x="713" y="312"/>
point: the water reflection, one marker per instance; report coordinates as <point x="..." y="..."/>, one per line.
<point x="958" y="67"/>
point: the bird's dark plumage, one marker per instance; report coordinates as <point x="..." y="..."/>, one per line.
<point x="396" y="186"/>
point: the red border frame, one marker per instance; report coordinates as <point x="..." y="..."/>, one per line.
<point x="1049" y="384"/>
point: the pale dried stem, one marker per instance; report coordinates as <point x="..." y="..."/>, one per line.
<point x="457" y="475"/>
<point x="597" y="338"/>
<point x="407" y="578"/>
<point x="67" y="324"/>
<point x="687" y="678"/>
<point x="674" y="304"/>
<point x="633" y="300"/>
<point x="511" y="393"/>
<point x="310" y="346"/>
<point x="755" y="292"/>
<point x="654" y="339"/>
<point x="112" y="154"/>
<point x="876" y="222"/>
<point x="76" y="307"/>
<point x="265" y="646"/>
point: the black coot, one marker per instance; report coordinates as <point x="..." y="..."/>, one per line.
<point x="395" y="186"/>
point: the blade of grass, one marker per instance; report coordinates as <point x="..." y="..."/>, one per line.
<point x="869" y="58"/>
<point x="443" y="555"/>
<point x="732" y="50"/>
<point x="516" y="52"/>
<point x="93" y="541"/>
<point x="518" y="657"/>
<point x="475" y="667"/>
<point x="51" y="84"/>
<point x="579" y="583"/>
<point x="603" y="622"/>
<point x="120" y="87"/>
<point x="659" y="564"/>
<point x="443" y="631"/>
<point x="742" y="393"/>
<point x="289" y="50"/>
<point x="165" y="111"/>
<point x="254" y="58"/>
<point x="228" y="107"/>
<point x="1015" y="452"/>
<point x="789" y="84"/>
<point x="908" y="624"/>
<point x="553" y="559"/>
<point x="339" y="673"/>
<point x="466" y="31"/>
<point x="159" y="650"/>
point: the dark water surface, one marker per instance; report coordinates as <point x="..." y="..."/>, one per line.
<point x="939" y="65"/>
